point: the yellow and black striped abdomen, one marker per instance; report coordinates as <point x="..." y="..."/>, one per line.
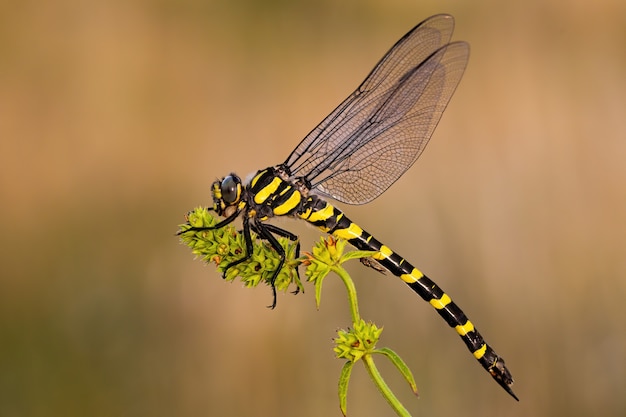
<point x="332" y="220"/>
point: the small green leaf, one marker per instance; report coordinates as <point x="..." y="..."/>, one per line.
<point x="383" y="388"/>
<point x="318" y="290"/>
<point x="357" y="254"/>
<point x="344" y="379"/>
<point x="400" y="365"/>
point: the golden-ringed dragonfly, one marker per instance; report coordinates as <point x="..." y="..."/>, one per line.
<point x="354" y="155"/>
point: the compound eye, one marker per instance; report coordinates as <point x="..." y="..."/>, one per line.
<point x="230" y="189"/>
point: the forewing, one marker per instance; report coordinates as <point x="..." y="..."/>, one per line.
<point x="371" y="138"/>
<point x="396" y="133"/>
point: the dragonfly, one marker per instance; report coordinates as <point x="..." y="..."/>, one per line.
<point x="356" y="153"/>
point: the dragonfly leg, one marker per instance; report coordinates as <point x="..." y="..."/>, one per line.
<point x="248" y="241"/>
<point x="221" y="224"/>
<point x="265" y="232"/>
<point x="292" y="237"/>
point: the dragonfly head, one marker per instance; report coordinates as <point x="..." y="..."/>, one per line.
<point x="227" y="195"/>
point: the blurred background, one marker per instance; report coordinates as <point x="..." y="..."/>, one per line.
<point x="116" y="116"/>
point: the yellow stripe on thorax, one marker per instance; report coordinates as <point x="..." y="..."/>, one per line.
<point x="265" y="192"/>
<point x="256" y="178"/>
<point x="288" y="205"/>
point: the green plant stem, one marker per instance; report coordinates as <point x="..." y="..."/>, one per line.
<point x="383" y="388"/>
<point x="351" y="289"/>
<point x="368" y="359"/>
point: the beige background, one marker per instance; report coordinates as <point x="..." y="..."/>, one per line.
<point x="116" y="116"/>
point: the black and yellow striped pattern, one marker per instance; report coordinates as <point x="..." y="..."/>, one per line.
<point x="270" y="195"/>
<point x="354" y="155"/>
<point x="332" y="220"/>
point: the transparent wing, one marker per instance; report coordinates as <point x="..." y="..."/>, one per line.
<point x="380" y="130"/>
